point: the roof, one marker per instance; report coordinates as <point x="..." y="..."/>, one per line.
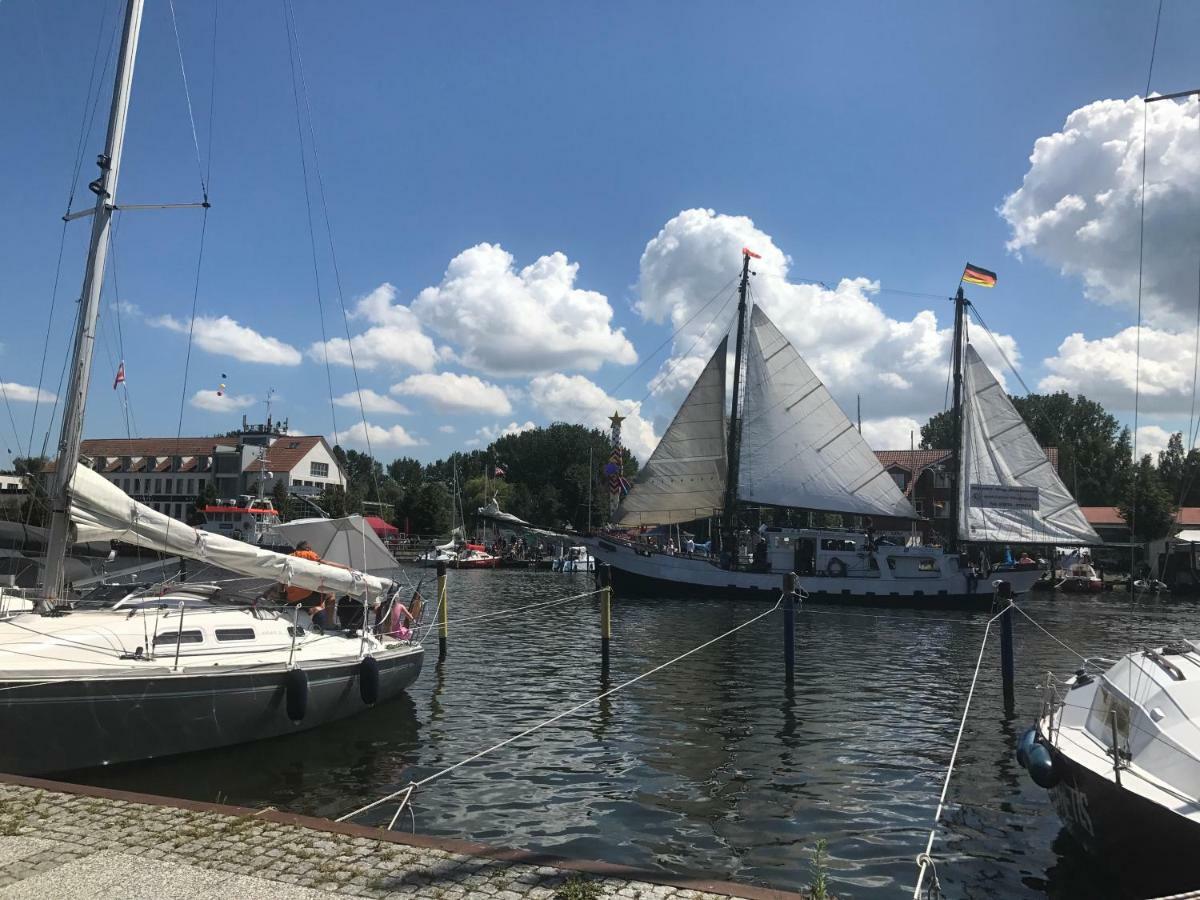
<point x="379" y="526"/>
<point x="1111" y="515"/>
<point x="287" y="451"/>
<point x="154" y="446"/>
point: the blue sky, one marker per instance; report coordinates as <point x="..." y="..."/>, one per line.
<point x="863" y="140"/>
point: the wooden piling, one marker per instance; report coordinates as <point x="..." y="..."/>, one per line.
<point x="790" y="582"/>
<point x="443" y="611"/>
<point x="1007" y="665"/>
<point x="605" y="610"/>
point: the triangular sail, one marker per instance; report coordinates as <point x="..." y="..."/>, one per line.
<point x="798" y="447"/>
<point x="1009" y="491"/>
<point x="684" y="479"/>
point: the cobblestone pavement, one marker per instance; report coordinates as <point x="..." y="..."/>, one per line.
<point x="68" y="846"/>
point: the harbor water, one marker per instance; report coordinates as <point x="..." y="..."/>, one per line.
<point x="708" y="766"/>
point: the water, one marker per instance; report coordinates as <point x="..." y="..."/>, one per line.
<point x="707" y="766"/>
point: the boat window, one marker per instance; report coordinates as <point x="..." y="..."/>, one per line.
<point x="837" y="544"/>
<point x="926" y="565"/>
<point x="185" y="637"/>
<point x="235" y="634"/>
<point x="107" y="596"/>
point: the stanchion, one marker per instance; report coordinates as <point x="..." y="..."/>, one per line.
<point x="789" y="627"/>
<point x="1003" y="598"/>
<point x="443" y="611"/>
<point x="605" y="610"/>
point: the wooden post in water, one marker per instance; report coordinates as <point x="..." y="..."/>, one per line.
<point x="789" y="627"/>
<point x="443" y="611"/>
<point x="605" y="610"/>
<point x="1003" y="597"/>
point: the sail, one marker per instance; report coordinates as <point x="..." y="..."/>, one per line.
<point x="684" y="479"/>
<point x="347" y="541"/>
<point x="1009" y="491"/>
<point x="102" y="511"/>
<point x="797" y="446"/>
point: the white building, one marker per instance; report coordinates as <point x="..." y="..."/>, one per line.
<point x="168" y="474"/>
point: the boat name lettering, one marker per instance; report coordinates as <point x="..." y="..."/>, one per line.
<point x="1003" y="496"/>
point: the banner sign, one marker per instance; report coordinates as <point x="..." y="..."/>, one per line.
<point x="999" y="496"/>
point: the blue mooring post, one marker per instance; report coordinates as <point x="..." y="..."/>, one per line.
<point x="789" y="627"/>
<point x="1003" y="598"/>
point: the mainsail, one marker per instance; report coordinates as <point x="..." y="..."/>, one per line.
<point x="798" y="447"/>
<point x="1009" y="491"/>
<point x="102" y="511"/>
<point x="684" y="479"/>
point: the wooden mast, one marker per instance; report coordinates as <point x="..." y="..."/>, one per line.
<point x="733" y="449"/>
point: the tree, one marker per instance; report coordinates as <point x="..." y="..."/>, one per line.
<point x="1146" y="504"/>
<point x="938" y="432"/>
<point x="281" y="501"/>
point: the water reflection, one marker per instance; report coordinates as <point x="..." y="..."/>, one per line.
<point x="713" y="764"/>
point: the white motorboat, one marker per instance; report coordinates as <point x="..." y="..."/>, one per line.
<point x="1119" y="751"/>
<point x="574" y="559"/>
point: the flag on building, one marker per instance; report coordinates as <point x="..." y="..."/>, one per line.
<point x="499" y="472"/>
<point x="978" y="275"/>
<point x="120" y="379"/>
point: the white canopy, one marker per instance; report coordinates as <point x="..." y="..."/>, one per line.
<point x="798" y="447"/>
<point x="684" y="479"/>
<point x="1009" y="491"/>
<point x="101" y="511"/>
<point x="348" y="541"/>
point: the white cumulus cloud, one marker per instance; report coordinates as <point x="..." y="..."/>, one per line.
<point x="898" y="366"/>
<point x="380" y="438"/>
<point x="453" y="392"/>
<point x="489" y="433"/>
<point x="892" y="433"/>
<point x="1152" y="439"/>
<point x="1078" y="208"/>
<point x="394" y="339"/>
<point x="371" y="402"/>
<point x="509" y="321"/>
<point x="446" y="429"/>
<point x="24" y="393"/>
<point x="224" y="336"/>
<point x="577" y="400"/>
<point x="221" y="402"/>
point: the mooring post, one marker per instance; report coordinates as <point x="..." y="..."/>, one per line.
<point x="443" y="610"/>
<point x="605" y="610"/>
<point x="1003" y="597"/>
<point x="789" y="627"/>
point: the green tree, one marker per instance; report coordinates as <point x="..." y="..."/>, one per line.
<point x="938" y="432"/>
<point x="281" y="501"/>
<point x="1146" y="503"/>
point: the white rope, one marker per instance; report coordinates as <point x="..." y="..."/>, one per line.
<point x="411" y="786"/>
<point x="520" y="609"/>
<point x="924" y="860"/>
<point x="1056" y="640"/>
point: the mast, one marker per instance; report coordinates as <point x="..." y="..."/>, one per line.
<point x="105" y="189"/>
<point x="729" y="514"/>
<point x="960" y="309"/>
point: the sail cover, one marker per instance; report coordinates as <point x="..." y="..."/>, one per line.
<point x="684" y="479"/>
<point x="348" y="541"/>
<point x="798" y="448"/>
<point x="1009" y="491"/>
<point x="101" y="511"/>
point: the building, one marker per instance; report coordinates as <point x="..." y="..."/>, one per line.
<point x="12" y="493"/>
<point x="1113" y="529"/>
<point x="168" y="474"/>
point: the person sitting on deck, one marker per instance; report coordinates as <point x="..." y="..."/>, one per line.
<point x="760" y="556"/>
<point x="1025" y="560"/>
<point x="314" y="602"/>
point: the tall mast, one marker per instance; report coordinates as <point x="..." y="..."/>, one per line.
<point x="960" y="309"/>
<point x="105" y="189"/>
<point x="729" y="523"/>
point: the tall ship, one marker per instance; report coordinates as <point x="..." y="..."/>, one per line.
<point x="787" y="445"/>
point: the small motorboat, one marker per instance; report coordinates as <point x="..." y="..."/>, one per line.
<point x="475" y="556"/>
<point x="1119" y="752"/>
<point x="575" y="559"/>
<point x="1081" y="578"/>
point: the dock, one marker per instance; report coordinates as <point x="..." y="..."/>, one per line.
<point x="73" y="841"/>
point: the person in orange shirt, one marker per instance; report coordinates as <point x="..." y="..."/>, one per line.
<point x="315" y="602"/>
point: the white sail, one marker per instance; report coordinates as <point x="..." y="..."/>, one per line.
<point x="797" y="446"/>
<point x="684" y="479"/>
<point x="101" y="511"/>
<point x="1009" y="491"/>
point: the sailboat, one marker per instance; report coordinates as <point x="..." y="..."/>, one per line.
<point x="135" y="671"/>
<point x="788" y="444"/>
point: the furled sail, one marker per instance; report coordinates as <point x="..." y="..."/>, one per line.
<point x="684" y="479"/>
<point x="101" y="511"/>
<point x="1009" y="491"/>
<point x="797" y="446"/>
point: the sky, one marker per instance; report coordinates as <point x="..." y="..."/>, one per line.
<point x="530" y="208"/>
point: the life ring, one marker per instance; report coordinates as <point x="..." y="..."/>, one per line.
<point x="835" y="568"/>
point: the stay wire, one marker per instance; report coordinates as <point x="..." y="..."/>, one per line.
<point x="312" y="237"/>
<point x="187" y="93"/>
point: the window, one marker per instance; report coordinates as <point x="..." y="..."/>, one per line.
<point x="137" y="485"/>
<point x="318" y="470"/>
<point x="190" y="486"/>
<point x="185" y="637"/>
<point x="235" y="634"/>
<point x="293" y="445"/>
<point x="899" y="478"/>
<point x="168" y="485"/>
<point x="179" y="510"/>
<point x="158" y="485"/>
<point x="837" y="544"/>
<point x="919" y="506"/>
<point x="926" y="565"/>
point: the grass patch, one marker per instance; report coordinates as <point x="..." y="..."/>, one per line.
<point x="577" y="887"/>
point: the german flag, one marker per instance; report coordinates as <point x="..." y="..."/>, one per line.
<point x="980" y="276"/>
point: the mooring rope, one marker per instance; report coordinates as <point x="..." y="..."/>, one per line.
<point x="521" y="609"/>
<point x="924" y="860"/>
<point x="407" y="791"/>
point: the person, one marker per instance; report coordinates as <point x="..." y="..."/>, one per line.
<point x="317" y="604"/>
<point x="691" y="547"/>
<point x="1008" y="557"/>
<point x="1025" y="560"/>
<point x="760" y="555"/>
<point x="869" y="529"/>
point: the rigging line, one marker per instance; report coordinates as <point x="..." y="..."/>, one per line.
<point x="86" y="118"/>
<point x="655" y="383"/>
<point x="999" y="349"/>
<point x="312" y="237"/>
<point x="187" y="93"/>
<point x="11" y="418"/>
<point x="337" y="274"/>
<point x="68" y="355"/>
<point x="115" y="312"/>
<point x="924" y="859"/>
<point x="212" y="94"/>
<point x="678" y="331"/>
<point x="562" y="715"/>
<point x="1193" y="429"/>
<point x="37" y="400"/>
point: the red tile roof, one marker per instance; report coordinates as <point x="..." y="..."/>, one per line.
<point x="1110" y="515"/>
<point x="155" y="446"/>
<point x="287" y="451"/>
